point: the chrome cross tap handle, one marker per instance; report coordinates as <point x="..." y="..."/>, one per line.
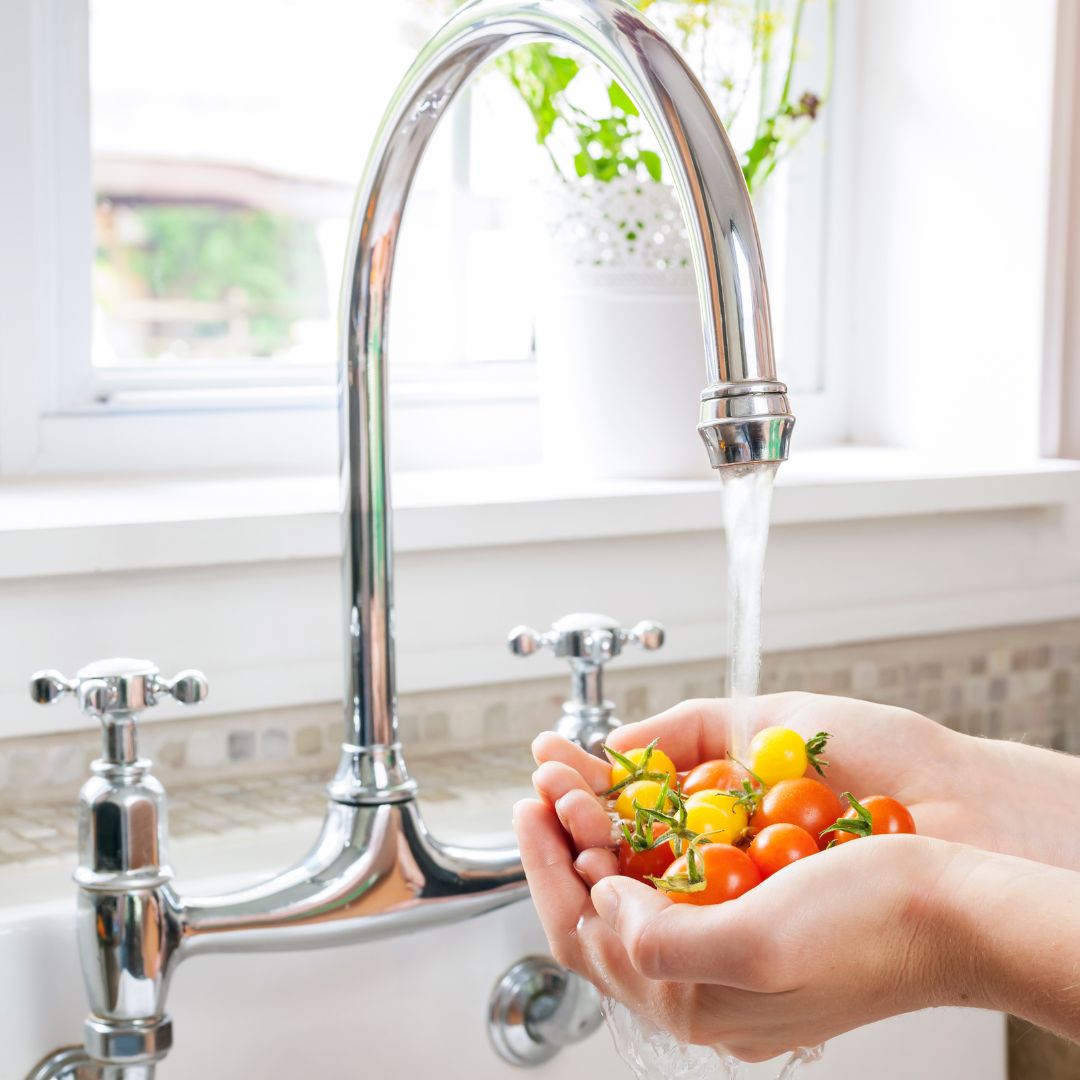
<point x="115" y="692"/>
<point x="125" y="933"/>
<point x="588" y="641"/>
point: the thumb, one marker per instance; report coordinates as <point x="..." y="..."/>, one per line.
<point x="640" y="917"/>
<point x="678" y="942"/>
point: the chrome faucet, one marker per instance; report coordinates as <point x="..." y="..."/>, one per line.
<point x="588" y="642"/>
<point x="375" y="870"/>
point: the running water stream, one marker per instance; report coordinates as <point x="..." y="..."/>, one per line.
<point x="651" y="1053"/>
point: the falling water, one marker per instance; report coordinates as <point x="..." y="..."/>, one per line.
<point x="651" y="1053"/>
<point x="747" y="502"/>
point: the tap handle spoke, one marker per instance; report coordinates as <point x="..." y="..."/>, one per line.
<point x="646" y="634"/>
<point x="189" y="687"/>
<point x="48" y="687"/>
<point x="587" y="637"/>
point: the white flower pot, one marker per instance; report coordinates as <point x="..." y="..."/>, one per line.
<point x="621" y="367"/>
<point x="618" y="338"/>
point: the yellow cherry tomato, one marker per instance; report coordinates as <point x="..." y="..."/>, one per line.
<point x="717" y="813"/>
<point x="777" y="753"/>
<point x="644" y="793"/>
<point x="659" y="762"/>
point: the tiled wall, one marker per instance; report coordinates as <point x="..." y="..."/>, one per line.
<point x="1017" y="682"/>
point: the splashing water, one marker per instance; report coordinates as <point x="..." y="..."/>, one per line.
<point x="654" y="1054"/>
<point x="651" y="1053"/>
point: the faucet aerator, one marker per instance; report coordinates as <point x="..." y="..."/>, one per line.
<point x="746" y="424"/>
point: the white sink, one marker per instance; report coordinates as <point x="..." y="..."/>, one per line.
<point x="408" y="1007"/>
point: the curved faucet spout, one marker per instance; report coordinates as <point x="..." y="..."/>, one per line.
<point x="745" y="415"/>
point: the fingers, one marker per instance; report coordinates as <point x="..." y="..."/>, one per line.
<point x="561" y="897"/>
<point x="551" y="747"/>
<point x="553" y="780"/>
<point x="579" y="810"/>
<point x="595" y="864"/>
<point x="585" y="820"/>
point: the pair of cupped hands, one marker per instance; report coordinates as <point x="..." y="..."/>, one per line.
<point x="866" y="930"/>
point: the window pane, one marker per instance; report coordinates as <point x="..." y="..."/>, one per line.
<point x="227" y="140"/>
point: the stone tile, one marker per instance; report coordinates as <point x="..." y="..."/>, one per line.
<point x="274" y="744"/>
<point x="309" y="741"/>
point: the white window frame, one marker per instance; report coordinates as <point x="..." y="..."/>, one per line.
<point x="58" y="416"/>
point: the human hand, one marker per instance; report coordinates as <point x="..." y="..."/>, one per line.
<point x="861" y="932"/>
<point x="832" y="942"/>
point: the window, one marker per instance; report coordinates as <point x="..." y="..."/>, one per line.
<point x="224" y="179"/>
<point x="197" y="163"/>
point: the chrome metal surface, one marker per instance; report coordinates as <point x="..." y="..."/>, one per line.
<point x="74" y="1063"/>
<point x="739" y="429"/>
<point x="374" y="869"/>
<point x="537" y="1008"/>
<point x="740" y="370"/>
<point x="68" y="1063"/>
<point x="588" y="640"/>
<point x="115" y="691"/>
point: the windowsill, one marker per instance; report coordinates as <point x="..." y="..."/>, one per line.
<point x="52" y="527"/>
<point x="239" y="575"/>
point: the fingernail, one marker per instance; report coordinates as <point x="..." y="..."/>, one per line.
<point x="605" y="898"/>
<point x="517" y="807"/>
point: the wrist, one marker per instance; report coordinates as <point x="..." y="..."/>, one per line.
<point x="1008" y="930"/>
<point x="961" y="964"/>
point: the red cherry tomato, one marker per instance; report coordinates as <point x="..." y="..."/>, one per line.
<point x="803" y="802"/>
<point x="777" y="846"/>
<point x="642" y="865"/>
<point x="728" y="874"/>
<point x="887" y="816"/>
<point x="722" y="773"/>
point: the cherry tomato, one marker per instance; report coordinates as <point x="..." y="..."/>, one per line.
<point x="887" y="816"/>
<point x="659" y="762"/>
<point x="777" y="846"/>
<point x="777" y="753"/>
<point x="718" y="814"/>
<point x="803" y="802"/>
<point x="642" y="865"/>
<point x="645" y="793"/>
<point x="722" y="774"/>
<point x="728" y="874"/>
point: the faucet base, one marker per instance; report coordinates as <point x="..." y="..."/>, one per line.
<point x="371" y="775"/>
<point x="128" y="1043"/>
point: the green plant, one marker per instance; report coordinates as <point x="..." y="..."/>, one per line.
<point x="614" y="142"/>
<point x="204" y="252"/>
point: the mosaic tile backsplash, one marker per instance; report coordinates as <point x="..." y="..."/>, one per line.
<point x="1015" y="682"/>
